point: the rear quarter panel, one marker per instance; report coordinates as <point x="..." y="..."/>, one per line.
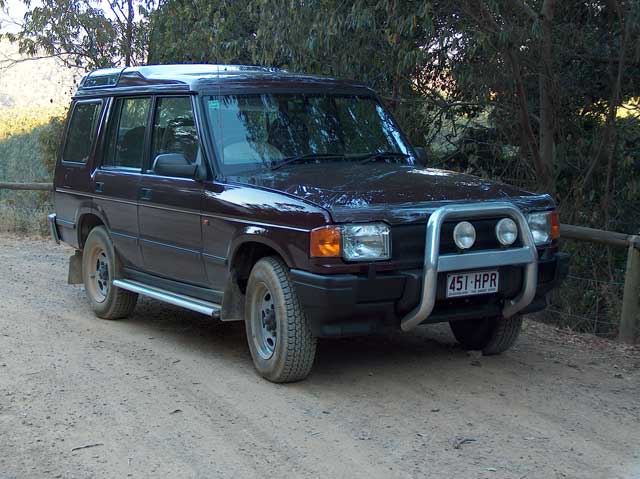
<point x="72" y="183"/>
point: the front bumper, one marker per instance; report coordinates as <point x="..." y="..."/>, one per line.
<point x="354" y="305"/>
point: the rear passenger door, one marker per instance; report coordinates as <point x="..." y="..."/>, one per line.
<point x="117" y="180"/>
<point x="170" y="203"/>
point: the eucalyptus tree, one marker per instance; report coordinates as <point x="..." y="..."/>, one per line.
<point x="85" y="33"/>
<point x="203" y="31"/>
<point x="556" y="74"/>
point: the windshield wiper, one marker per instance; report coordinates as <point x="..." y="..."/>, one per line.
<point x="304" y="158"/>
<point x="383" y="154"/>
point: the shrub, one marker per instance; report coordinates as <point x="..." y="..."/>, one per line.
<point x="29" y="141"/>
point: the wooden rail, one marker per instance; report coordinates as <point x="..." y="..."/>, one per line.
<point x="591" y="235"/>
<point x="27" y="186"/>
<point x="630" y="318"/>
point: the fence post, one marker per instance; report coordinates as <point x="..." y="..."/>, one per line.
<point x="631" y="300"/>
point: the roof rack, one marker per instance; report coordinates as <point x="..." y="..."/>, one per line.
<point x="111" y="77"/>
<point x="180" y="78"/>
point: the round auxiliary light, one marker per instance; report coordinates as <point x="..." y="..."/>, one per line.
<point x="506" y="231"/>
<point x="464" y="235"/>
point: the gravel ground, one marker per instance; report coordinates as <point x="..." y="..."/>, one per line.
<point x="169" y="393"/>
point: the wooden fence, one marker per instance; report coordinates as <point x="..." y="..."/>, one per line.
<point x="27" y="186"/>
<point x="630" y="317"/>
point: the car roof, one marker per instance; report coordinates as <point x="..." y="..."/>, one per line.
<point x="205" y="77"/>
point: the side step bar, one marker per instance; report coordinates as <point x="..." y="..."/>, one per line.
<point x="187" y="302"/>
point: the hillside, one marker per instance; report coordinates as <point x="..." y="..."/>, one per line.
<point x="34" y="84"/>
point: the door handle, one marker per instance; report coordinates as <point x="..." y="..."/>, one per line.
<point x="99" y="187"/>
<point x="145" y="193"/>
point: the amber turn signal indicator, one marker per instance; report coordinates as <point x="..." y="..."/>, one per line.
<point x="555" y="225"/>
<point x="325" y="242"/>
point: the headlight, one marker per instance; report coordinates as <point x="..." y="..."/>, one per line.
<point x="544" y="226"/>
<point x="366" y="242"/>
<point x="506" y="231"/>
<point x="464" y="235"/>
<point x="354" y="242"/>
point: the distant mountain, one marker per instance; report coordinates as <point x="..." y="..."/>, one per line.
<point x="32" y="83"/>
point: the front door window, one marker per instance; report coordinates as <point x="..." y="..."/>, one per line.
<point x="174" y="136"/>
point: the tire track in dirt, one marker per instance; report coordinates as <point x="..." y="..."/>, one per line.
<point x="170" y="393"/>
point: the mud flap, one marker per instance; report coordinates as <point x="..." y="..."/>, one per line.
<point x="233" y="300"/>
<point x="75" y="268"/>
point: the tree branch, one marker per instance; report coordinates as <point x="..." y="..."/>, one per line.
<point x="526" y="9"/>
<point x="11" y="62"/>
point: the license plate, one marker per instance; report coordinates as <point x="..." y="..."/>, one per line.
<point x="468" y="284"/>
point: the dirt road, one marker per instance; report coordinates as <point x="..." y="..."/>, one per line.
<point x="168" y="393"/>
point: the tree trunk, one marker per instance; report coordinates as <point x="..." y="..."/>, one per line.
<point x="129" y="34"/>
<point x="543" y="175"/>
<point x="548" y="92"/>
<point x="542" y="153"/>
<point x="606" y="144"/>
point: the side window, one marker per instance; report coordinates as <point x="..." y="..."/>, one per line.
<point x="82" y="131"/>
<point x="174" y="135"/>
<point x="125" y="138"/>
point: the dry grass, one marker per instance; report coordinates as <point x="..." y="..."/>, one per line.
<point x="24" y="157"/>
<point x="24" y="218"/>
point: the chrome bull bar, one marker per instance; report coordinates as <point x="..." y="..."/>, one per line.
<point x="435" y="263"/>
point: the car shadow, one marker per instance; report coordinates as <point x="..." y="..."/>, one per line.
<point x="193" y="331"/>
<point x="226" y="340"/>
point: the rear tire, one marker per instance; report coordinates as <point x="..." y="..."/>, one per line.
<point x="282" y="345"/>
<point x="99" y="267"/>
<point x="490" y="335"/>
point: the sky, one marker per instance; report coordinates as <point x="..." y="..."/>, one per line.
<point x="16" y="10"/>
<point x="52" y="84"/>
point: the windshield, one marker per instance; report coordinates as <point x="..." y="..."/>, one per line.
<point x="266" y="130"/>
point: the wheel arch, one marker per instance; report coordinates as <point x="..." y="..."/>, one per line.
<point x="248" y="250"/>
<point x="87" y="220"/>
<point x="245" y="252"/>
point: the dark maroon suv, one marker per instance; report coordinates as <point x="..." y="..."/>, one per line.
<point x="293" y="203"/>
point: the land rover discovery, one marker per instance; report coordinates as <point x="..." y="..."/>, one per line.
<point x="293" y="203"/>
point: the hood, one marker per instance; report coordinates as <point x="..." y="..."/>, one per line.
<point x="387" y="192"/>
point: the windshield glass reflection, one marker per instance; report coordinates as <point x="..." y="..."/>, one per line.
<point x="261" y="131"/>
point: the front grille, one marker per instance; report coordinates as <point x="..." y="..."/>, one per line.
<point x="408" y="240"/>
<point x="408" y="245"/>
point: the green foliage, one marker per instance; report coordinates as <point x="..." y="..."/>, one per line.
<point x="202" y="31"/>
<point x="23" y="158"/>
<point x="49" y="141"/>
<point x="28" y="141"/>
<point x="82" y="34"/>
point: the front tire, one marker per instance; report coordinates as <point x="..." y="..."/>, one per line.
<point x="99" y="266"/>
<point x="281" y="344"/>
<point x="490" y="335"/>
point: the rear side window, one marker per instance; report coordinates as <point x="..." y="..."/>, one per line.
<point x="125" y="138"/>
<point x="82" y="131"/>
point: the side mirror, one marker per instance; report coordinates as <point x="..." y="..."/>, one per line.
<point x="421" y="151"/>
<point x="174" y="164"/>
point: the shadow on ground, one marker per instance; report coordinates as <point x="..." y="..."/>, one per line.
<point x="193" y="332"/>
